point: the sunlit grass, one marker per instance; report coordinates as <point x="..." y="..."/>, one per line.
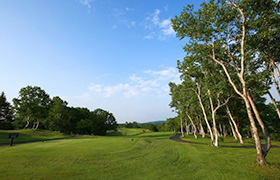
<point x="148" y="155"/>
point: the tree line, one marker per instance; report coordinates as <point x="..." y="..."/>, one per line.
<point x="232" y="55"/>
<point x="35" y="109"/>
<point x="152" y="127"/>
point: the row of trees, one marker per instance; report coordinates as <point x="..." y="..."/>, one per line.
<point x="231" y="56"/>
<point x="35" y="109"/>
<point x="151" y="126"/>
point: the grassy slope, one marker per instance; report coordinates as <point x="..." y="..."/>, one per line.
<point x="29" y="135"/>
<point x="148" y="156"/>
<point x="226" y="141"/>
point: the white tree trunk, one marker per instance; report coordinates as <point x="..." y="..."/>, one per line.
<point x="182" y="128"/>
<point x="204" y="113"/>
<point x="235" y="125"/>
<point x="221" y="130"/>
<point x="273" y="77"/>
<point x="37" y="125"/>
<point x="202" y="132"/>
<point x="232" y="130"/>
<point x="193" y="126"/>
<point x="27" y="123"/>
<point x="267" y="145"/>
<point x="215" y="141"/>
<point x="274" y="104"/>
<point x="224" y="130"/>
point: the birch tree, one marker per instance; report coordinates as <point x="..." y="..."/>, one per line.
<point x="219" y="28"/>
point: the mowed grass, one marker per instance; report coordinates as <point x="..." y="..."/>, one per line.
<point x="29" y="135"/>
<point x="146" y="155"/>
<point x="226" y="141"/>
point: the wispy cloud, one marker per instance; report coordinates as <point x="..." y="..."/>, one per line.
<point x="87" y="3"/>
<point x="121" y="18"/>
<point x="157" y="27"/>
<point x="150" y="82"/>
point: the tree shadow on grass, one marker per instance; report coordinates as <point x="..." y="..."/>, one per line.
<point x="178" y="139"/>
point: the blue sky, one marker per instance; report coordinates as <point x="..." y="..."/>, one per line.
<point x="117" y="55"/>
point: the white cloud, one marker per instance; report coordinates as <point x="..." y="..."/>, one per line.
<point x="121" y="18"/>
<point x="165" y="23"/>
<point x="166" y="74"/>
<point x="150" y="83"/>
<point x="87" y="3"/>
<point x="155" y="18"/>
<point x="150" y="36"/>
<point x="161" y="28"/>
<point x="168" y="31"/>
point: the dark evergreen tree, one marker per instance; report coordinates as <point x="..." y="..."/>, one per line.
<point x="6" y="113"/>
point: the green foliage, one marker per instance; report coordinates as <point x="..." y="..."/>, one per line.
<point x="6" y="113"/>
<point x="32" y="105"/>
<point x="214" y="34"/>
<point x="172" y="124"/>
<point x="34" y="108"/>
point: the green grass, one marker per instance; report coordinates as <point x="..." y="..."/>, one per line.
<point x="29" y="135"/>
<point x="226" y="141"/>
<point x="139" y="155"/>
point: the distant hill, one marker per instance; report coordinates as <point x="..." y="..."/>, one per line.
<point x="153" y="122"/>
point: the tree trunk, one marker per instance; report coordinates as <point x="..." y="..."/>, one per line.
<point x="215" y="141"/>
<point x="37" y="125"/>
<point x="232" y="130"/>
<point x="193" y="126"/>
<point x="267" y="146"/>
<point x="274" y="104"/>
<point x="224" y="130"/>
<point x="202" y="132"/>
<point x="275" y="82"/>
<point x="187" y="128"/>
<point x="244" y="94"/>
<point x="235" y="125"/>
<point x="277" y="70"/>
<point x="27" y="123"/>
<point x="221" y="130"/>
<point x="182" y="128"/>
<point x="204" y="114"/>
<point x="260" y="157"/>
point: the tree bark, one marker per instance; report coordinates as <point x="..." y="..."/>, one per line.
<point x="27" y="123"/>
<point x="215" y="141"/>
<point x="202" y="132"/>
<point x="271" y="70"/>
<point x="260" y="157"/>
<point x="221" y="130"/>
<point x="193" y="125"/>
<point x="232" y="130"/>
<point x="204" y="113"/>
<point x="274" y="104"/>
<point x="224" y="130"/>
<point x="277" y="70"/>
<point x="235" y="125"/>
<point x="267" y="146"/>
<point x="187" y="128"/>
<point x="37" y="125"/>
<point x="182" y="128"/>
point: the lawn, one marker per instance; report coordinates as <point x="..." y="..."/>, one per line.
<point x="144" y="155"/>
<point x="30" y="135"/>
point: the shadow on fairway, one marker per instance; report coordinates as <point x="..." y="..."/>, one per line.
<point x="178" y="139"/>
